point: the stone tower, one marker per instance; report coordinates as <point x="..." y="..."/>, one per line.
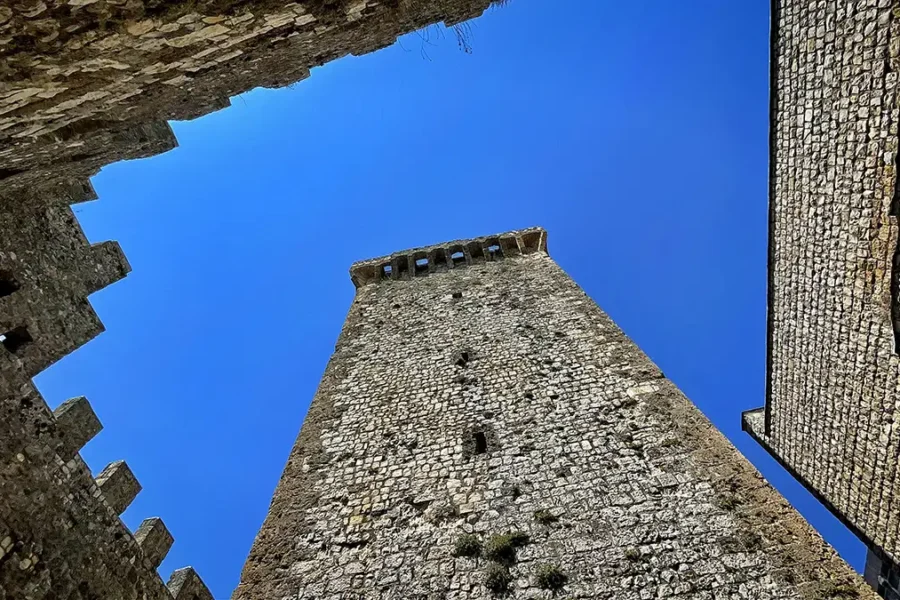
<point x="832" y="411"/>
<point x="483" y="424"/>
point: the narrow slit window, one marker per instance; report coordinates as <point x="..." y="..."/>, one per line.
<point x="15" y="339"/>
<point x="8" y="283"/>
<point x="480" y="442"/>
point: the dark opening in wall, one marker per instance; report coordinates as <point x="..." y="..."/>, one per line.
<point x="421" y="266"/>
<point x="480" y="442"/>
<point x="8" y="283"/>
<point x="462" y="360"/>
<point x="386" y="271"/>
<point x="402" y="267"/>
<point x="458" y="258"/>
<point x="457" y="295"/>
<point x="15" y="339"/>
<point x="438" y="259"/>
<point x="493" y="250"/>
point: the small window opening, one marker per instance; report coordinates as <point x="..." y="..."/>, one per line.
<point x="493" y="248"/>
<point x="458" y="258"/>
<point x="480" y="442"/>
<point x="403" y="270"/>
<point x="421" y="265"/>
<point x="15" y="339"/>
<point x="386" y="271"/>
<point x="8" y="284"/>
<point x="457" y="295"/>
<point x="463" y="360"/>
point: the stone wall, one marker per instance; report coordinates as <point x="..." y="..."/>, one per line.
<point x="831" y="412"/>
<point x="60" y="532"/>
<point x="84" y="83"/>
<point x="476" y="391"/>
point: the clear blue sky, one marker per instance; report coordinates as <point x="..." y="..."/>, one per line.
<point x="635" y="132"/>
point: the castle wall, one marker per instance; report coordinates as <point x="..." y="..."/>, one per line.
<point x="833" y="399"/>
<point x="87" y="83"/>
<point x="83" y="84"/>
<point x="488" y="395"/>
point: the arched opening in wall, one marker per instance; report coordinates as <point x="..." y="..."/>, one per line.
<point x="15" y="339"/>
<point x="421" y="265"/>
<point x="532" y="241"/>
<point x="458" y="258"/>
<point x="493" y="250"/>
<point x="386" y="271"/>
<point x="8" y="283"/>
<point x="403" y="268"/>
<point x="438" y="259"/>
<point x="475" y="252"/>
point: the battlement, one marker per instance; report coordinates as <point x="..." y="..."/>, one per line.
<point x="437" y="258"/>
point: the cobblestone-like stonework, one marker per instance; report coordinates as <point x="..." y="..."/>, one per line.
<point x="833" y="383"/>
<point x="479" y="393"/>
<point x="84" y="83"/>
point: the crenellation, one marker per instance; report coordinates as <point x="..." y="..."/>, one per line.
<point x="419" y="262"/>
<point x="118" y="485"/>
<point x="154" y="539"/>
<point x="77" y="424"/>
<point x="185" y="584"/>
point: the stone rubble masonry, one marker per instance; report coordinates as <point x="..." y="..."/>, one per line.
<point x="84" y="83"/>
<point x="475" y="390"/>
<point x="832" y="412"/>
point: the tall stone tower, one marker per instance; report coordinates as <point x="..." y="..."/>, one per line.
<point x="832" y="411"/>
<point x="484" y="425"/>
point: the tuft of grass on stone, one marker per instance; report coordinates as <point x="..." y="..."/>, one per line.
<point x="632" y="554"/>
<point x="545" y="517"/>
<point x="728" y="501"/>
<point x="497" y="578"/>
<point x="467" y="545"/>
<point x="550" y="577"/>
<point x="502" y="547"/>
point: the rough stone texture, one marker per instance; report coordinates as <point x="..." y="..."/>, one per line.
<point x="154" y="539"/>
<point x="78" y="424"/>
<point x="84" y="83"/>
<point x="87" y="82"/>
<point x="489" y="395"/>
<point x="831" y="413"/>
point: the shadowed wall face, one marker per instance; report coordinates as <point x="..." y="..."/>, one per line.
<point x="834" y="370"/>
<point x="475" y="392"/>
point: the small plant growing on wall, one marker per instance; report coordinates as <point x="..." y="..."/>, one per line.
<point x="497" y="578"/>
<point x="502" y="548"/>
<point x="545" y="517"/>
<point x="632" y="554"/>
<point x="550" y="577"/>
<point x="467" y="545"/>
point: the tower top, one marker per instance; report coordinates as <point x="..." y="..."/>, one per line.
<point x="419" y="262"/>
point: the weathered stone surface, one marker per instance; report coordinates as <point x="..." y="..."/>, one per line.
<point x="154" y="539"/>
<point x="833" y="397"/>
<point x="77" y="424"/>
<point x="84" y="83"/>
<point x="476" y="390"/>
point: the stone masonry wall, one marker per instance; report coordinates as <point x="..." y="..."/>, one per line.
<point x="475" y="390"/>
<point x="84" y="83"/>
<point x="60" y="532"/>
<point x="833" y="397"/>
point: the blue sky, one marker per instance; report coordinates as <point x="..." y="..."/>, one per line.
<point x="635" y="132"/>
